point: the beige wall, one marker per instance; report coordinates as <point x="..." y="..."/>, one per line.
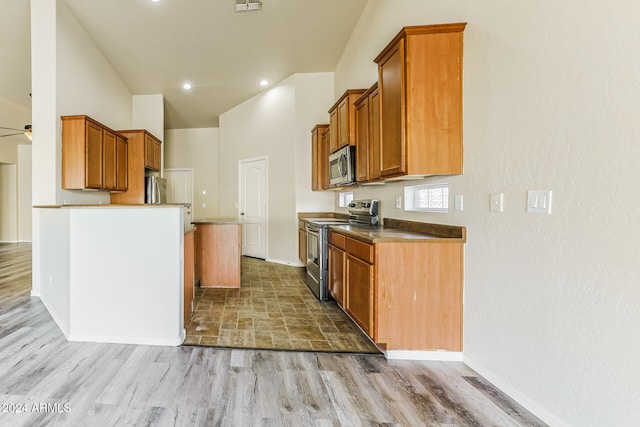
<point x="12" y="150"/>
<point x="551" y="99"/>
<point x="70" y="75"/>
<point x="8" y="203"/>
<point x="276" y="124"/>
<point x="197" y="149"/>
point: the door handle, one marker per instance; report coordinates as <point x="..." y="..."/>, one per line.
<point x="242" y="213"/>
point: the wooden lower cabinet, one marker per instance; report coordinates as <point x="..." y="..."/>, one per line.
<point x="189" y="278"/>
<point x="336" y="277"/>
<point x="218" y="255"/>
<point x="302" y="243"/>
<point x="404" y="295"/>
<point x="359" y="300"/>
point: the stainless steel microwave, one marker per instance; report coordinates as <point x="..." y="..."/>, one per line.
<point x="342" y="169"/>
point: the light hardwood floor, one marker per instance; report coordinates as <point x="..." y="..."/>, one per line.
<point x="47" y="381"/>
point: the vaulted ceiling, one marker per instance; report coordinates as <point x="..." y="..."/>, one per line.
<point x="155" y="47"/>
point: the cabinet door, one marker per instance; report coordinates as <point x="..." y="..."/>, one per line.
<point x="362" y="140"/>
<point x="109" y="161"/>
<point x="336" y="274"/>
<point x="315" y="142"/>
<point x="323" y="159"/>
<point x="374" y="135"/>
<point x="334" y="137"/>
<point x="93" y="156"/>
<point x="343" y="123"/>
<point x="157" y="156"/>
<point x="148" y="152"/>
<point x="359" y="292"/>
<point x="392" y="112"/>
<point x="302" y="245"/>
<point x="122" y="172"/>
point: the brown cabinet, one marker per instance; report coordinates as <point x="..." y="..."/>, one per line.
<point x="302" y="242"/>
<point x="359" y="301"/>
<point x="337" y="260"/>
<point x="324" y="167"/>
<point x="319" y="157"/>
<point x="217" y="254"/>
<point x="152" y="153"/>
<point x="138" y="142"/>
<point x="342" y="120"/>
<point x="109" y="161"/>
<point x="420" y="89"/>
<point x="388" y="288"/>
<point x="122" y="174"/>
<point x="368" y="135"/>
<point x="90" y="155"/>
<point x="189" y="277"/>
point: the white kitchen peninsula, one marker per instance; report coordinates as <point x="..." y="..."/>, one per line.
<point x="112" y="273"/>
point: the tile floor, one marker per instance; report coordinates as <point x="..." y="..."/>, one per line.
<point x="273" y="309"/>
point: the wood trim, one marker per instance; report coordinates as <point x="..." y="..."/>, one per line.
<point x="421" y="29"/>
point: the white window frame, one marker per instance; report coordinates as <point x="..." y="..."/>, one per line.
<point x="411" y="202"/>
<point x="344" y="198"/>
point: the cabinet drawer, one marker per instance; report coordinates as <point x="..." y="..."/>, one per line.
<point x="361" y="250"/>
<point x="301" y="225"/>
<point x="337" y="240"/>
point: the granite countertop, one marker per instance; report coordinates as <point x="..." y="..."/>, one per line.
<point x="219" y="221"/>
<point x="403" y="231"/>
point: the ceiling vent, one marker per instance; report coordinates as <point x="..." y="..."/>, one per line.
<point x="247" y="5"/>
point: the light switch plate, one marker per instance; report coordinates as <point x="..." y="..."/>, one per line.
<point x="497" y="202"/>
<point x="539" y="201"/>
<point x="458" y="202"/>
<point x="399" y="202"/>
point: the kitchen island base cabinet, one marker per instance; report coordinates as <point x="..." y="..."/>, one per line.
<point x="218" y="254"/>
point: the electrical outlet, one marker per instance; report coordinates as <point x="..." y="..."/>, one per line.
<point x="399" y="202"/>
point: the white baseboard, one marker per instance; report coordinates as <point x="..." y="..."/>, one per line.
<point x="289" y="263"/>
<point x="515" y="394"/>
<point x="442" y="356"/>
<point x="167" y="342"/>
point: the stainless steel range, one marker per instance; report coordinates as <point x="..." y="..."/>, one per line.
<point x="360" y="212"/>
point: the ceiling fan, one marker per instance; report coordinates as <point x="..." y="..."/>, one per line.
<point x="26" y="132"/>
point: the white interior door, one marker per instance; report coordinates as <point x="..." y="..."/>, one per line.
<point x="253" y="206"/>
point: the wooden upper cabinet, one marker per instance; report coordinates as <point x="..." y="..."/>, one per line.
<point x="152" y="153"/>
<point x="319" y="157"/>
<point x="367" y="126"/>
<point x="374" y="133"/>
<point x="122" y="153"/>
<point x="109" y="148"/>
<point x="333" y="130"/>
<point x="94" y="165"/>
<point x="323" y="155"/>
<point x="342" y="120"/>
<point x="143" y="149"/>
<point x="420" y="89"/>
<point x="89" y="155"/>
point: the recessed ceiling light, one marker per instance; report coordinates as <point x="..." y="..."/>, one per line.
<point x="155" y="1"/>
<point x="186" y="86"/>
<point x="264" y="83"/>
